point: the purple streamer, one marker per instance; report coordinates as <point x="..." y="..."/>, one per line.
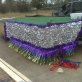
<point x="39" y="25"/>
<point x="5" y="33"/>
<point x="43" y="52"/>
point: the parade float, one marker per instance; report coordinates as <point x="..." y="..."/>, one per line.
<point x="43" y="39"/>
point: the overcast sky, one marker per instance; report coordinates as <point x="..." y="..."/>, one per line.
<point x="28" y="0"/>
<point x="3" y="0"/>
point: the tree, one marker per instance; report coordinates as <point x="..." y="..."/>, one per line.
<point x="59" y="1"/>
<point x="46" y="1"/>
<point x="9" y="5"/>
<point x="2" y="7"/>
<point x="36" y="3"/>
<point x="53" y="1"/>
<point x="23" y="6"/>
<point x="0" y="2"/>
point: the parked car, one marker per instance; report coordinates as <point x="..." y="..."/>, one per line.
<point x="69" y="7"/>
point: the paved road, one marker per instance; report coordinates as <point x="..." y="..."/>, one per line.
<point x="4" y="77"/>
<point x="40" y="73"/>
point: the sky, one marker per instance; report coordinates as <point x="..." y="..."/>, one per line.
<point x="28" y="0"/>
<point x="3" y="1"/>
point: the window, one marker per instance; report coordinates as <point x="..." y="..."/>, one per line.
<point x="77" y="6"/>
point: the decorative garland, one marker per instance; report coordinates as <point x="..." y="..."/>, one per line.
<point x="39" y="55"/>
